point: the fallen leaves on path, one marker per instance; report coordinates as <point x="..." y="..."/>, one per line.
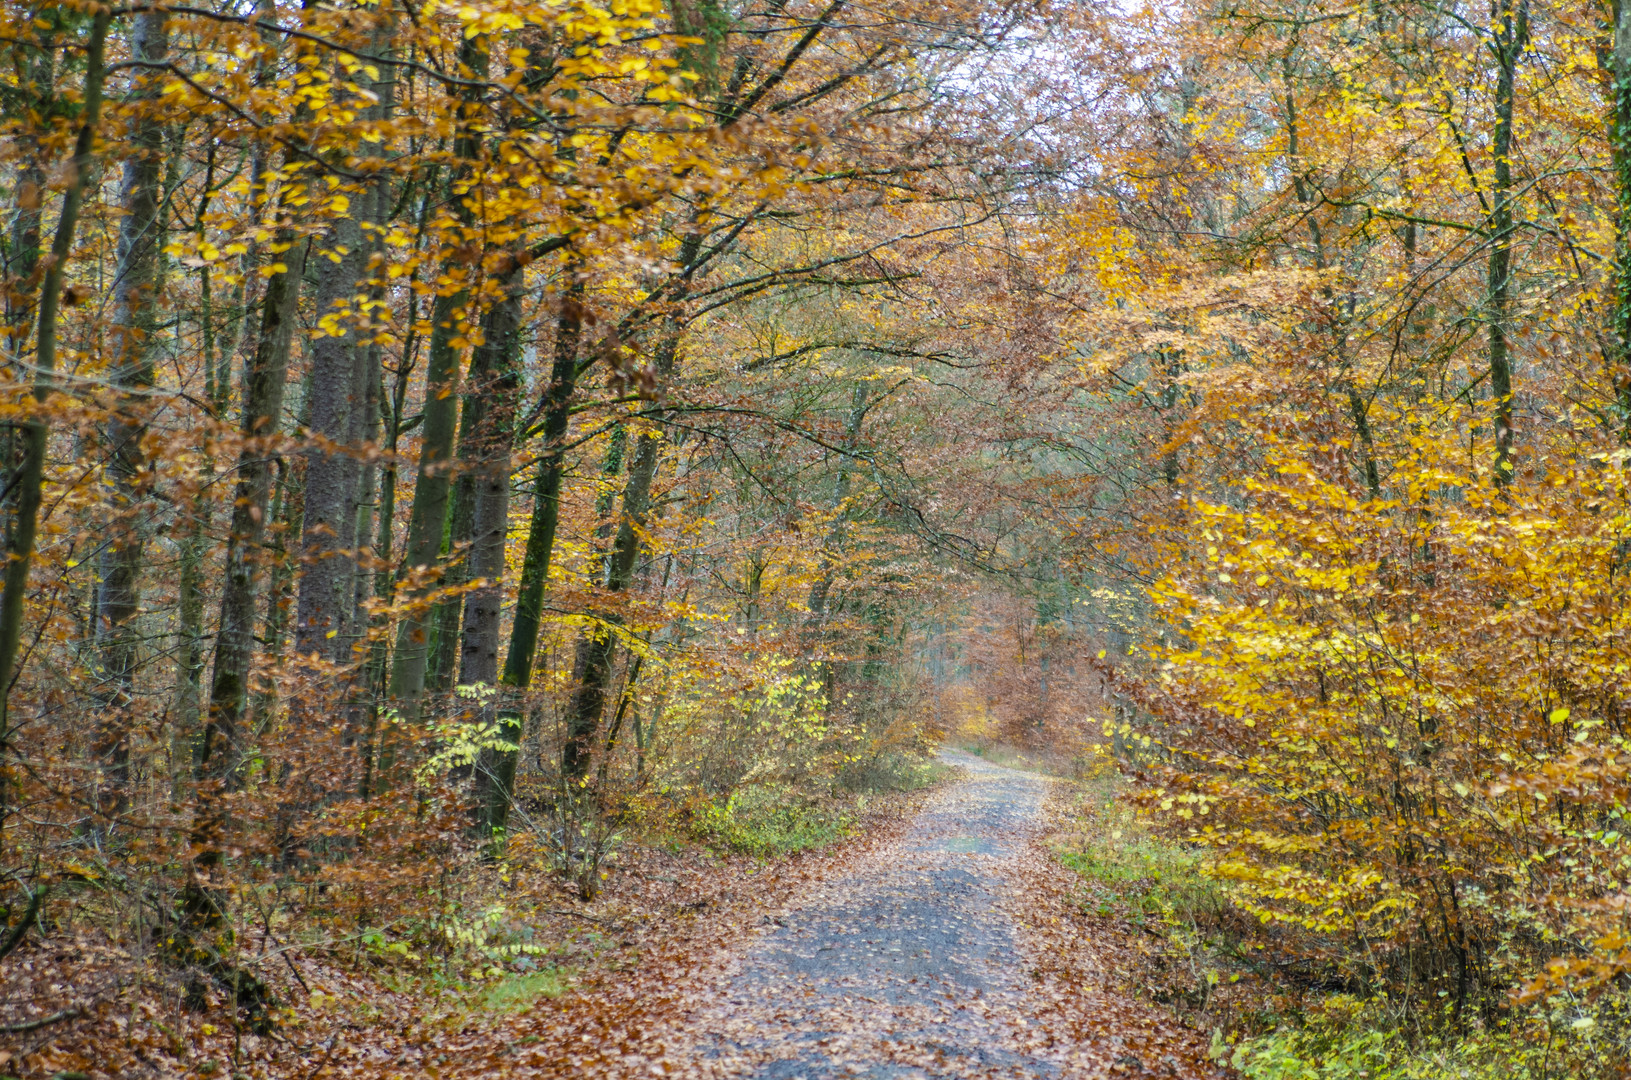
<point x="946" y="948"/>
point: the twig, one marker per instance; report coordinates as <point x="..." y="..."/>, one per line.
<point x="296" y="972"/>
<point x="575" y="915"/>
<point x="35" y="898"/>
<point x="30" y="1025"/>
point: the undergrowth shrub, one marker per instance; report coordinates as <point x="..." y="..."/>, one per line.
<point x="774" y="819"/>
<point x="1396" y="726"/>
<point x="1278" y="1007"/>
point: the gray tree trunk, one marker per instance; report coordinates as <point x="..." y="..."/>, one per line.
<point x="138" y="278"/>
<point x="328" y="535"/>
<point x="489" y="459"/>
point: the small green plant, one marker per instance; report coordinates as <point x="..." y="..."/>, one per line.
<point x="892" y="772"/>
<point x="1131" y="869"/>
<point x="460" y="741"/>
<point x="491" y="935"/>
<point x="772" y="819"/>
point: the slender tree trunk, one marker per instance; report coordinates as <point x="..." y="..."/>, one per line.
<point x="833" y="546"/>
<point x="36" y="432"/>
<point x="496" y="774"/>
<point x="138" y="278"/>
<point x="610" y="469"/>
<point x="1619" y="360"/>
<point x="22" y="268"/>
<point x="24" y="252"/>
<point x="428" y="515"/>
<point x="546" y="505"/>
<point x="595" y="651"/>
<point x="448" y="615"/>
<point x="189" y="697"/>
<point x="1510" y="40"/>
<point x="221" y="746"/>
<point x="379" y="765"/>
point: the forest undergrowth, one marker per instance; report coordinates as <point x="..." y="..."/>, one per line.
<point x="1270" y="1011"/>
<point x="512" y="937"/>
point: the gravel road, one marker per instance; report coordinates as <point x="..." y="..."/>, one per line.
<point x="911" y="965"/>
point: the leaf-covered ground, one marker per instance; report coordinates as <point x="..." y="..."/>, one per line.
<point x="951" y="949"/>
<point x="943" y="940"/>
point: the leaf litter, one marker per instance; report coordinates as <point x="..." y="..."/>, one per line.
<point x="942" y="941"/>
<point x="945" y="947"/>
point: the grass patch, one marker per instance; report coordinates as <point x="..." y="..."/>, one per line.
<point x="894" y="772"/>
<point x="1132" y="873"/>
<point x="1346" y="1038"/>
<point x="772" y="820"/>
<point x="516" y="993"/>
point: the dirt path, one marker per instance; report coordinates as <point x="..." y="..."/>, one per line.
<point x="920" y="962"/>
<point x="950" y="946"/>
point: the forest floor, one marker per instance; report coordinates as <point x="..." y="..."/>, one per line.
<point x="951" y="948"/>
<point x="944" y="938"/>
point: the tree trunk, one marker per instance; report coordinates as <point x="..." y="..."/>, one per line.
<point x="832" y="547"/>
<point x="496" y="774"/>
<point x="328" y="530"/>
<point x="219" y="750"/>
<point x="546" y="504"/>
<point x="24" y="250"/>
<point x="428" y="515"/>
<point x="489" y="458"/>
<point x="595" y="651"/>
<point x="36" y="432"/>
<point x="1619" y="360"/>
<point x="1510" y="42"/>
<point x="138" y="277"/>
<point x="449" y="611"/>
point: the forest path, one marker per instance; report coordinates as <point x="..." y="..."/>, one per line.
<point x="921" y="961"/>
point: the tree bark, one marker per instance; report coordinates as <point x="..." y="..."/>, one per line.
<point x="497" y="773"/>
<point x="428" y="515"/>
<point x="546" y="505"/>
<point x="328" y="530"/>
<point x="221" y="746"/>
<point x="489" y="458"/>
<point x="138" y="278"/>
<point x="1619" y="360"/>
<point x="595" y="651"/>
